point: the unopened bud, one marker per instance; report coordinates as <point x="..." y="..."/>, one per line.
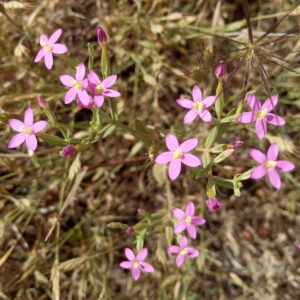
<point x="101" y="35"/>
<point x="68" y="151"/>
<point x="42" y="101"/>
<point x="221" y="69"/>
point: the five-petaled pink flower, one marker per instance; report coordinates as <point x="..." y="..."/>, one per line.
<point x="136" y="263"/>
<point x="26" y="131"/>
<point x="178" y="154"/>
<point x="102" y="88"/>
<point x="187" y="220"/>
<point x="49" y="47"/>
<point x="183" y="250"/>
<point x="261" y="114"/>
<point x="213" y="204"/>
<point x="197" y="107"/>
<point x="269" y="165"/>
<point x="78" y="86"/>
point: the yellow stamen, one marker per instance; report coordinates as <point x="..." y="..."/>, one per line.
<point x="27" y="130"/>
<point x="188" y="220"/>
<point x="177" y="154"/>
<point x="198" y="105"/>
<point x="271" y="164"/>
<point x="99" y="88"/>
<point x="262" y="114"/>
<point x="136" y="264"/>
<point x="77" y="84"/>
<point x="183" y="251"/>
<point x="48" y="47"/>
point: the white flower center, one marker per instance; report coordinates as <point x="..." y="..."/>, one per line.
<point x="262" y="114"/>
<point x="136" y="264"/>
<point x="27" y="130"/>
<point x="77" y="84"/>
<point x="198" y="105"/>
<point x="271" y="164"/>
<point x="177" y="154"/>
<point x="188" y="220"/>
<point x="183" y="251"/>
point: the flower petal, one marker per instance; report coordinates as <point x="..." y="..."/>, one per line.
<point x="274" y="179"/>
<point x="66" y="80"/>
<point x="109" y="81"/>
<point x="173" y="250"/>
<point x="183" y="242"/>
<point x="196" y="220"/>
<point x="258" y="156"/>
<point x="261" y="128"/>
<point x="209" y="101"/>
<point x="253" y="102"/>
<point x="55" y="36"/>
<point x="164" y="158"/>
<point x="190" y="209"/>
<point x="126" y="264"/>
<point x="43" y="40"/>
<point x="40" y="55"/>
<point x="31" y="142"/>
<point x="205" y="115"/>
<point x="191" y="160"/>
<point x="188" y="145"/>
<point x="272" y="153"/>
<point x="146" y="267"/>
<point x="111" y="93"/>
<point x="129" y="254"/>
<point x="190" y="116"/>
<point x="48" y="60"/>
<point x="99" y="100"/>
<point x="246" y="117"/>
<point x="180" y="260"/>
<point x="186" y="103"/>
<point x="84" y="97"/>
<point x="70" y="95"/>
<point x="174" y="169"/>
<point x="39" y="126"/>
<point x="15" y="124"/>
<point x="93" y="77"/>
<point x="192" y="252"/>
<point x="28" y="116"/>
<point x="270" y="103"/>
<point x="17" y="140"/>
<point x="179" y="227"/>
<point x="136" y="273"/>
<point x="142" y="254"/>
<point x="275" y="119"/>
<point x="196" y="93"/>
<point x="284" y="166"/>
<point x="59" y="49"/>
<point x="172" y="142"/>
<point x="258" y="172"/>
<point x="178" y="213"/>
<point x="80" y="72"/>
<point x="192" y="231"/>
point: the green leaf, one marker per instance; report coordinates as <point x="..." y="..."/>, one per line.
<point x="226" y="183"/>
<point x="52" y="139"/>
<point x="142" y="133"/>
<point x="91" y="55"/>
<point x="219" y="104"/>
<point x="214" y="134"/>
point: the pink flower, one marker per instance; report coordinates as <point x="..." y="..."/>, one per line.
<point x="101" y="89"/>
<point x="89" y="106"/>
<point x="178" y="154"/>
<point x="182" y="250"/>
<point x="261" y="114"/>
<point x="136" y="263"/>
<point x="77" y="85"/>
<point x="68" y="151"/>
<point x="50" y="47"/>
<point x="26" y="131"/>
<point x="101" y="35"/>
<point x="197" y="107"/>
<point x="221" y="69"/>
<point x="269" y="165"/>
<point x="187" y="220"/>
<point x="213" y="204"/>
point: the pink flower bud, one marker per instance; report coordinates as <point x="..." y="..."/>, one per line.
<point x="237" y="144"/>
<point x="42" y="101"/>
<point x="102" y="38"/>
<point x="68" y="151"/>
<point x="221" y="69"/>
<point x="130" y="230"/>
<point x="213" y="204"/>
